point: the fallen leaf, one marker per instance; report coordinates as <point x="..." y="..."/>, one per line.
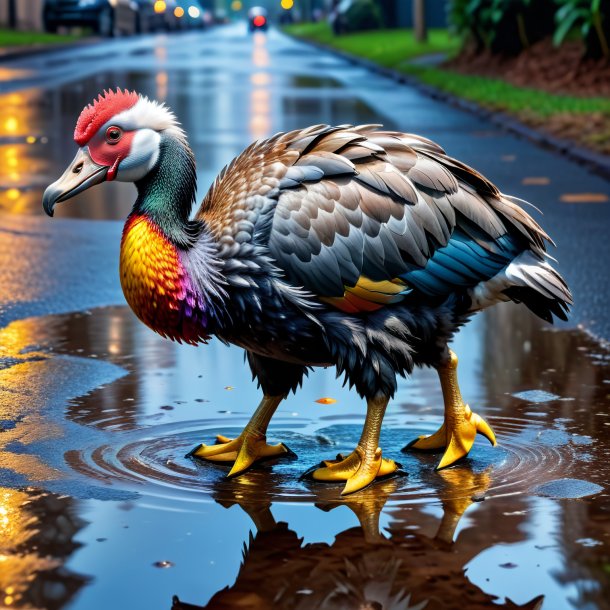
<point x="536" y="181"/>
<point x="584" y="198"/>
<point x="326" y="401"/>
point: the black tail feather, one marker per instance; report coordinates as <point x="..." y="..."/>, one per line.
<point x="542" y="306"/>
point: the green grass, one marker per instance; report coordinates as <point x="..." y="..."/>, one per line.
<point x="10" y="38"/>
<point x="498" y="94"/>
<point x="394" y="49"/>
<point x="389" y="48"/>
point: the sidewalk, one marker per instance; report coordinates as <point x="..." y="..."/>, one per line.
<point x="10" y="53"/>
<point x="17" y="44"/>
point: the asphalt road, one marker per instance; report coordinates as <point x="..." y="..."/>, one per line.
<point x="96" y="411"/>
<point x="228" y="91"/>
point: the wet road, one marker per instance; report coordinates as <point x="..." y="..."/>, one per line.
<point x="99" y="509"/>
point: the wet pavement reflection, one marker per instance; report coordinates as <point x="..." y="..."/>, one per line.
<point x="100" y="509"/>
<point x="221" y="110"/>
<point x="522" y="524"/>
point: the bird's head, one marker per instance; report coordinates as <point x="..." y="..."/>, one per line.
<point x="120" y="138"/>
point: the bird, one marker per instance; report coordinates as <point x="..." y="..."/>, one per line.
<point x="344" y="246"/>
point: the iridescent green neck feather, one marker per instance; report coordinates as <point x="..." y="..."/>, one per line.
<point x="167" y="193"/>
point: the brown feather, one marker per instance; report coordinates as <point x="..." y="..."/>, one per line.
<point x="349" y="199"/>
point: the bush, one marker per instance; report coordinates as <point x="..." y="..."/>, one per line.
<point x="504" y="27"/>
<point x="507" y="27"/>
<point x="356" y="16"/>
<point x="592" y="18"/>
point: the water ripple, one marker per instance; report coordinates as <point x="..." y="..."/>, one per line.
<point x="152" y="461"/>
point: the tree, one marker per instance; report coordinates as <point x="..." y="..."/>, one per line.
<point x="419" y="20"/>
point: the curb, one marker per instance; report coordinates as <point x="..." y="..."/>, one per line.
<point x="14" y="53"/>
<point x="594" y="161"/>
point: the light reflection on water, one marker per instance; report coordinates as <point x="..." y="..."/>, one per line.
<point x="468" y="533"/>
<point x="222" y="111"/>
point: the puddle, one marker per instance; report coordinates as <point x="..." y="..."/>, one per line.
<point x="106" y="441"/>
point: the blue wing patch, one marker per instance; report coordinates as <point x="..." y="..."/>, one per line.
<point x="462" y="263"/>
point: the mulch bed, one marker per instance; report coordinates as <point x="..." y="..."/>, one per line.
<point x="562" y="70"/>
<point x="543" y="66"/>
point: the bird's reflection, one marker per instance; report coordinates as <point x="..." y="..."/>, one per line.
<point x="362" y="568"/>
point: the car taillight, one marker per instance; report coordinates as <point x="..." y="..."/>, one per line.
<point x="259" y="21"/>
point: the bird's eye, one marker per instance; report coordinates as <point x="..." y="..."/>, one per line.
<point x="113" y="135"/>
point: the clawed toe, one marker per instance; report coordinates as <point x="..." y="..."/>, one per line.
<point x="359" y="469"/>
<point x="454" y="437"/>
<point x="243" y="451"/>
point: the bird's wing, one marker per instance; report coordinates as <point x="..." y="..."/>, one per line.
<point x="361" y="217"/>
<point x="389" y="213"/>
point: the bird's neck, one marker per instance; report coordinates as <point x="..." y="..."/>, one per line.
<point x="167" y="193"/>
<point x="166" y="259"/>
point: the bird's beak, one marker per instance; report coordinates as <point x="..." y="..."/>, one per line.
<point x="81" y="174"/>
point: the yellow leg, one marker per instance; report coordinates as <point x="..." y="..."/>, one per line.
<point x="364" y="464"/>
<point x="250" y="446"/>
<point x="456" y="435"/>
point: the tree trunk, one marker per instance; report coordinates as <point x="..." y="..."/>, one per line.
<point x="419" y="20"/>
<point x="12" y="14"/>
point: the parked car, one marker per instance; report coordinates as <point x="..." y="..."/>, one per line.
<point x="106" y="17"/>
<point x="96" y="14"/>
<point x="171" y="18"/>
<point x="137" y="17"/>
<point x="257" y="19"/>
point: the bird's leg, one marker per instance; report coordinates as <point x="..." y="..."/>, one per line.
<point x="456" y="435"/>
<point x="250" y="446"/>
<point x="364" y="464"/>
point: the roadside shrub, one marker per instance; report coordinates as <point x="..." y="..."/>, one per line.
<point x="356" y="16"/>
<point x="504" y="27"/>
<point x="591" y="18"/>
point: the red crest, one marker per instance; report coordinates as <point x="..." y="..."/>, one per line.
<point x="103" y="108"/>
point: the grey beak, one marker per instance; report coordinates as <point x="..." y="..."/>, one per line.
<point x="81" y="174"/>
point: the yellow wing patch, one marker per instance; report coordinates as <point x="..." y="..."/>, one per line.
<point x="368" y="295"/>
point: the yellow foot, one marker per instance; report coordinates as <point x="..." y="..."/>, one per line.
<point x="456" y="440"/>
<point x="243" y="451"/>
<point x="359" y="469"/>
